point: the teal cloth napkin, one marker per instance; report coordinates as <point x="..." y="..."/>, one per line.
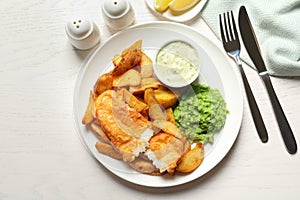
<point x="277" y="27"/>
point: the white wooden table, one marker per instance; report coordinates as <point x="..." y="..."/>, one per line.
<point x="41" y="156"/>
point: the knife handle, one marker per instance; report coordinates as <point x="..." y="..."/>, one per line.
<point x="258" y="121"/>
<point x="285" y="129"/>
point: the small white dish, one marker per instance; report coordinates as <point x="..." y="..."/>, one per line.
<point x="83" y="34"/>
<point x="177" y="64"/>
<point x="190" y="14"/>
<point x="170" y="79"/>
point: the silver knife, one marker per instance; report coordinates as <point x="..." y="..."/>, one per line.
<point x="252" y="47"/>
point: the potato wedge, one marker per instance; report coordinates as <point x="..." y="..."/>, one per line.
<point x="145" y="113"/>
<point x="144" y="166"/>
<point x="155" y="110"/>
<point x="168" y="127"/>
<point x="192" y="159"/>
<point x="104" y="82"/>
<point x="152" y="82"/>
<point x="170" y="115"/>
<point x="88" y="116"/>
<point x="146" y="66"/>
<point x="128" y="78"/>
<point x="186" y="148"/>
<point x="145" y="84"/>
<point x="136" y="45"/>
<point x="100" y="134"/>
<point x="117" y="59"/>
<point x="130" y="60"/>
<point x="133" y="101"/>
<point x="108" y="150"/>
<point x="165" y="97"/>
<point x="149" y="97"/>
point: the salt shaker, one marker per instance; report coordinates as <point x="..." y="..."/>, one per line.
<point x="118" y="14"/>
<point x="83" y="34"/>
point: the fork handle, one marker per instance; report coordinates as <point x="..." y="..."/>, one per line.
<point x="285" y="129"/>
<point x="258" y="121"/>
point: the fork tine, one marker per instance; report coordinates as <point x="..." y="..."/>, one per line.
<point x="234" y="27"/>
<point x="221" y="28"/>
<point x="226" y="27"/>
<point x="229" y="25"/>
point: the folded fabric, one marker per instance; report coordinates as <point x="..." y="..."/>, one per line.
<point x="276" y="25"/>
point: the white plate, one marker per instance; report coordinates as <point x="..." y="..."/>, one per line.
<point x="190" y="14"/>
<point x="216" y="71"/>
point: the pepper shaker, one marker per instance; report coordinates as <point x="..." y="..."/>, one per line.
<point x="83" y="34"/>
<point x="118" y="14"/>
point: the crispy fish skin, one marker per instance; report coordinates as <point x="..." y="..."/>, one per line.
<point x="126" y="129"/>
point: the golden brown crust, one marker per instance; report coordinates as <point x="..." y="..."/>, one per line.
<point x="165" y="97"/>
<point x="104" y="82"/>
<point x="167" y="149"/>
<point x="130" y="60"/>
<point x="191" y="159"/>
<point x="122" y="124"/>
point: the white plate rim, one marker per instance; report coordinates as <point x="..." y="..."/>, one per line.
<point x="187" y="16"/>
<point x="138" y="178"/>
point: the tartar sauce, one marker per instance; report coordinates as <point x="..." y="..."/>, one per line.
<point x="177" y="64"/>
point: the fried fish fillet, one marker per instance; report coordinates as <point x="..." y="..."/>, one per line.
<point x="127" y="130"/>
<point x="165" y="151"/>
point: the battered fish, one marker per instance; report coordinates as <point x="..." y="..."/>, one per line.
<point x="165" y="151"/>
<point x="128" y="131"/>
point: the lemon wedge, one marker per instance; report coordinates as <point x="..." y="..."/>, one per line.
<point x="182" y="5"/>
<point x="161" y="5"/>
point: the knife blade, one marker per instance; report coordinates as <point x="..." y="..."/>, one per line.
<point x="252" y="47"/>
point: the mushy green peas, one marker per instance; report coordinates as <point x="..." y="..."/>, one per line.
<point x="201" y="113"/>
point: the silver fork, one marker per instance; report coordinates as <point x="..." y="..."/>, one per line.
<point x="232" y="46"/>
